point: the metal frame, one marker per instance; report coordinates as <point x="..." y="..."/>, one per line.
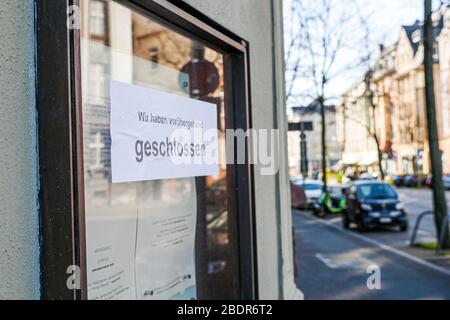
<point x="412" y="241"/>
<point x="61" y="192"/>
<point x="440" y="234"/>
<point x="63" y="242"/>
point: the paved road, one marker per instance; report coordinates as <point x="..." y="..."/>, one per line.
<point x="333" y="262"/>
<point x="417" y="201"/>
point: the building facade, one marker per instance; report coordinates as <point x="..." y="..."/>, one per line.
<point x="399" y="117"/>
<point x="444" y="63"/>
<point x="62" y="216"/>
<point x="386" y="98"/>
<point x="312" y="114"/>
<point x="410" y="143"/>
<point x="354" y="119"/>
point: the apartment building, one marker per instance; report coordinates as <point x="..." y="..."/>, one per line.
<point x="444" y="64"/>
<point x="385" y="98"/>
<point x="354" y="124"/>
<point x="311" y="113"/>
<point x="399" y="118"/>
<point x="410" y="144"/>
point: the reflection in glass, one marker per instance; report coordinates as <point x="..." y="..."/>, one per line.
<point x="120" y="44"/>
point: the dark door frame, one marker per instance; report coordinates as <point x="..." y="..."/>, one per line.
<point x="58" y="98"/>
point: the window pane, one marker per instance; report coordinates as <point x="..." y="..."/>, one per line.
<point x="139" y="51"/>
<point x="97" y="22"/>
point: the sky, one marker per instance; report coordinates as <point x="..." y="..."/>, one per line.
<point x="390" y="15"/>
<point x="386" y="19"/>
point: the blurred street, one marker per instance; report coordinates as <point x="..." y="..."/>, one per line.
<point x="365" y="152"/>
<point x="333" y="262"/>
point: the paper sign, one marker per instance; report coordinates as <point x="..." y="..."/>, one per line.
<point x="165" y="244"/>
<point x="157" y="135"/>
<point x="144" y="251"/>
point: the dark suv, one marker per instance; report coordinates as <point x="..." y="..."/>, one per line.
<point x="371" y="204"/>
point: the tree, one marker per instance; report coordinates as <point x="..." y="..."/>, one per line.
<point x="370" y="93"/>
<point x="371" y="86"/>
<point x="368" y="48"/>
<point x="440" y="204"/>
<point x="371" y="126"/>
<point x="322" y="47"/>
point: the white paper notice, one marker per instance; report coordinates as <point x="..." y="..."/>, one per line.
<point x="157" y="135"/>
<point x="145" y="250"/>
<point x="165" y="245"/>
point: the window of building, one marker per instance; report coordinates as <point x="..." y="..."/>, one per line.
<point x="97" y="18"/>
<point x="154" y="57"/>
<point x="436" y="51"/>
<point x="416" y="36"/>
<point x="160" y="48"/>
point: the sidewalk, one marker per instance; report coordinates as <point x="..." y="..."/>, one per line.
<point x="442" y="260"/>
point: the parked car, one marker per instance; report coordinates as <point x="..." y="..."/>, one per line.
<point x="398" y="180"/>
<point x="313" y="190"/>
<point x="410" y="181"/>
<point x="298" y="197"/>
<point x="429" y="181"/>
<point x="445" y="181"/>
<point x="370" y="204"/>
<point x="367" y="176"/>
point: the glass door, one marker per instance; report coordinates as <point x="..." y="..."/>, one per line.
<point x="158" y="239"/>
